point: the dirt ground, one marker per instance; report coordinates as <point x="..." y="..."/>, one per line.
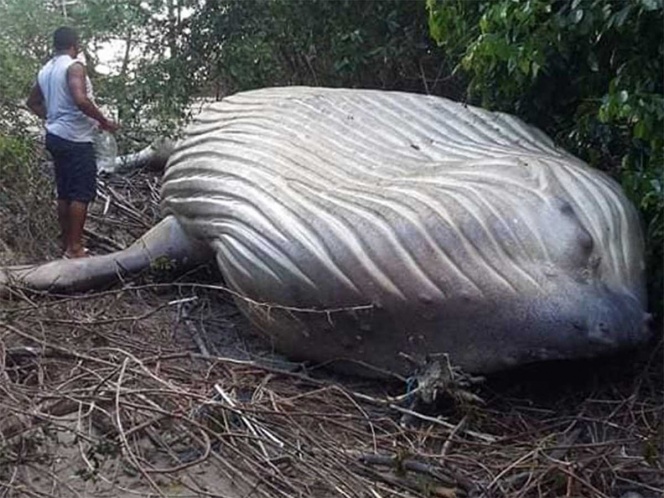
<point x="158" y="386"/>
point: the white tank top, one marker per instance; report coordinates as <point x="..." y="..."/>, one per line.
<point x="63" y="117"/>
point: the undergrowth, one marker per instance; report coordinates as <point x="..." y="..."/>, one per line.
<point x="28" y="223"/>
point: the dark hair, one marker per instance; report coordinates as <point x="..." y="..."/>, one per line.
<point x="64" y="38"/>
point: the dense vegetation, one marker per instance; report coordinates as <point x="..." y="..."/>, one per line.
<point x="345" y="43"/>
<point x="589" y="72"/>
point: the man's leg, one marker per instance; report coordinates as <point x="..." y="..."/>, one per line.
<point x="82" y="189"/>
<point x="63" y="221"/>
<point x="77" y="214"/>
<point x="60" y="154"/>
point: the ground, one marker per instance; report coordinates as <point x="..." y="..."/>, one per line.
<point x="159" y="387"/>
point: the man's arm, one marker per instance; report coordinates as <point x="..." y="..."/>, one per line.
<point x="35" y="101"/>
<point x="76" y="81"/>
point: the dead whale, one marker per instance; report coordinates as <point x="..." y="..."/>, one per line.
<point x="355" y="225"/>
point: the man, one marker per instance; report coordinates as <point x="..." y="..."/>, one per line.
<point x="63" y="97"/>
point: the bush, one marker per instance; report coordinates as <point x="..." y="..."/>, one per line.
<point x="245" y="44"/>
<point x="28" y="225"/>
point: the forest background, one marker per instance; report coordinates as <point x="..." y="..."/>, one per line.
<point x="588" y="72"/>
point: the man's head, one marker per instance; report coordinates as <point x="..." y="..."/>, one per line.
<point x="65" y="39"/>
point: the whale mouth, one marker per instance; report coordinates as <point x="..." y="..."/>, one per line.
<point x="595" y="322"/>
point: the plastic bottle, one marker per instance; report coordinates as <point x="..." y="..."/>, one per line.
<point x="106" y="152"/>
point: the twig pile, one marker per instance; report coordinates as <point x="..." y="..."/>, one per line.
<point x="126" y="207"/>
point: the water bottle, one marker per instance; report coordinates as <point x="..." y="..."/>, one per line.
<point x="106" y="151"/>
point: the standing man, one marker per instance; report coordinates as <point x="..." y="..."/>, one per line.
<point x="63" y="97"/>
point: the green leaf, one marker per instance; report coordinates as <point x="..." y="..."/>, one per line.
<point x="534" y="67"/>
<point x="650" y="5"/>
<point x="484" y="24"/>
<point x="620" y="17"/>
<point x="592" y="62"/>
<point x="511" y="64"/>
<point x="578" y="16"/>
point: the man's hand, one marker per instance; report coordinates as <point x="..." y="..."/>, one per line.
<point x="109" y="125"/>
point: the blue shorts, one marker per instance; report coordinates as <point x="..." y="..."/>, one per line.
<point x="75" y="168"/>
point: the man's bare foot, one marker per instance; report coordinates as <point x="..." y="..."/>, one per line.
<point x="80" y="253"/>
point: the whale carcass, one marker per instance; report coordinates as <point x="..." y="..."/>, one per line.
<point x="355" y="225"/>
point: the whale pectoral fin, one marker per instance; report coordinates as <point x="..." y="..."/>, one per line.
<point x="166" y="240"/>
<point x="153" y="157"/>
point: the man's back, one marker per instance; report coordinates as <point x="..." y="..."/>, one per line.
<point x="63" y="116"/>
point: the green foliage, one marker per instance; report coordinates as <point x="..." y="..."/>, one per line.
<point x="27" y="219"/>
<point x="589" y="72"/>
<point x="149" y="91"/>
<point x="244" y="44"/>
<point x="151" y="86"/>
<point x="25" y="28"/>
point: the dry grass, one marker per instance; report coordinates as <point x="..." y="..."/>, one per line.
<point x="160" y="389"/>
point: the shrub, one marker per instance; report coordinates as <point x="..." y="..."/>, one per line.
<point x="28" y="225"/>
